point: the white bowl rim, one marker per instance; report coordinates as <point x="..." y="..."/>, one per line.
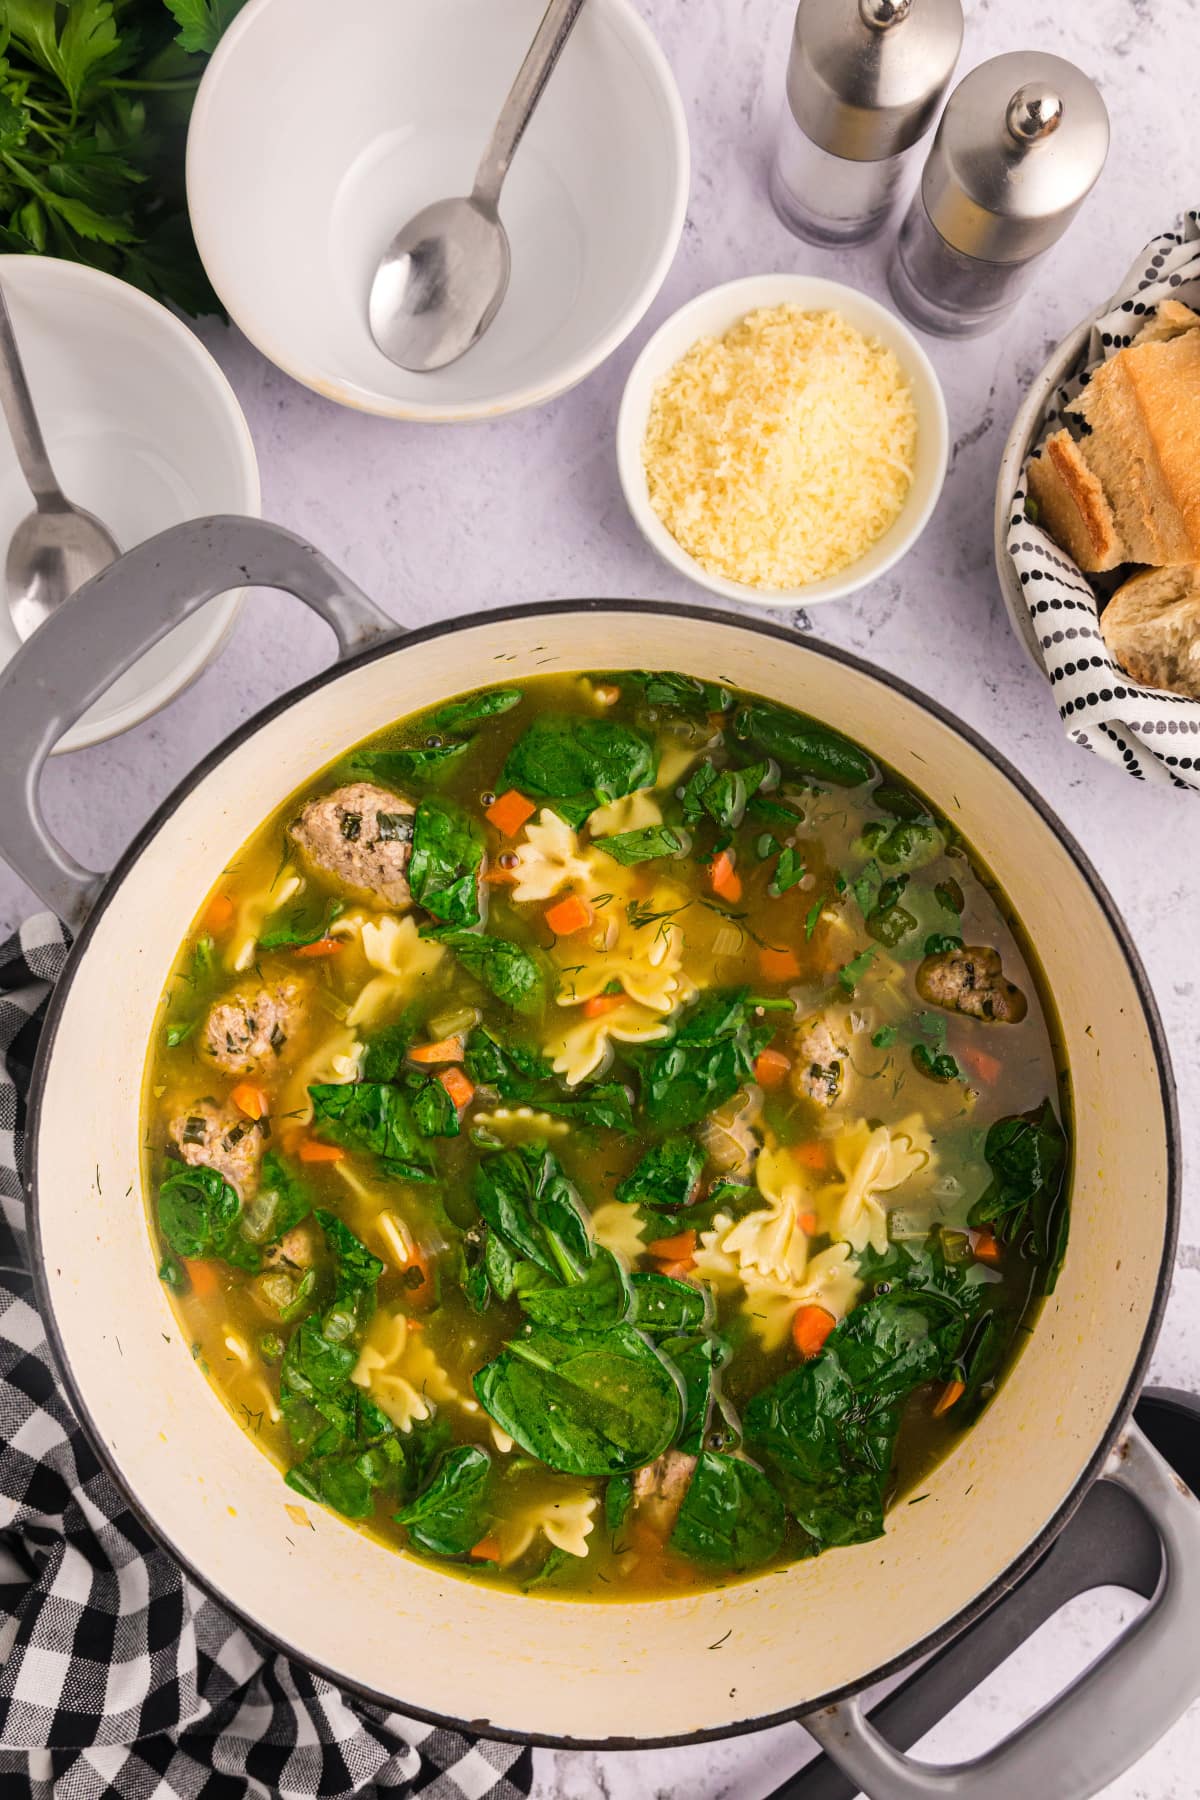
<point x="223" y="611"/>
<point x="646" y="46"/>
<point x="750" y="291"/>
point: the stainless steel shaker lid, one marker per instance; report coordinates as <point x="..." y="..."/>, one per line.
<point x="1019" y="147"/>
<point x="865" y="77"/>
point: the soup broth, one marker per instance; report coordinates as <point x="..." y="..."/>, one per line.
<point x="605" y="1137"/>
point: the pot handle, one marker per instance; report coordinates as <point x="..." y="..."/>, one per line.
<point x="104" y="628"/>
<point x="1093" y="1731"/>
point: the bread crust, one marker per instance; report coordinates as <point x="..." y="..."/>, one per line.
<point x="1143" y="407"/>
<point x="1072" y="505"/>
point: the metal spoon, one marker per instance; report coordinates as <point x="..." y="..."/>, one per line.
<point x="444" y="274"/>
<point x="59" y="546"/>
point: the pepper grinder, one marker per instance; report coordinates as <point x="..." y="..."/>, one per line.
<point x="864" y="81"/>
<point x="1019" y="148"/>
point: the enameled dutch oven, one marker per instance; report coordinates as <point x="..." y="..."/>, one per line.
<point x="793" y="1644"/>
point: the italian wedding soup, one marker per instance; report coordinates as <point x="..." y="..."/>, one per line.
<point x="605" y="1136"/>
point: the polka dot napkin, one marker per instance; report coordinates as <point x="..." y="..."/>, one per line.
<point x="1155" y="736"/>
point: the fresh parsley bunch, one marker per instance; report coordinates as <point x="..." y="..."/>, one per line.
<point x="95" y="97"/>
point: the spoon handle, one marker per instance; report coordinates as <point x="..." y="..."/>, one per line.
<point x="17" y="402"/>
<point x="548" y="43"/>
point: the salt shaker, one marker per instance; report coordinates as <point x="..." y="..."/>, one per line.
<point x="865" y="79"/>
<point x="1020" y="145"/>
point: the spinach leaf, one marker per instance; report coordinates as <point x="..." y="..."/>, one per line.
<point x="514" y="1069"/>
<point x="802" y="745"/>
<point x="434" y="1112"/>
<point x="697" y="1357"/>
<point x="731" y="1515"/>
<point x="788" y="871"/>
<point x="937" y="1066"/>
<point x="667" y="691"/>
<point x="315" y="1366"/>
<point x="374" y="1116"/>
<point x="200" y="1214"/>
<point x="449" y="1516"/>
<point x="522" y="1076"/>
<point x="349" y="1477"/>
<point x="668" y="1175"/>
<point x="1026" y="1198"/>
<point x="301" y="925"/>
<point x="851" y="973"/>
<point x="523" y="1195"/>
<point x="599" y="1297"/>
<point x="388" y="1047"/>
<point x="457" y="713"/>
<point x="422" y="762"/>
<point x="512" y="973"/>
<point x="665" y="1307"/>
<point x="356" y="1268"/>
<point x="591" y="1403"/>
<point x="901" y="803"/>
<point x="710" y="1052"/>
<point x="282" y="1202"/>
<point x="907" y="845"/>
<point x="721" y="793"/>
<point x="443" y="868"/>
<point x="618" y="1496"/>
<point x="646" y="845"/>
<point x="827" y="1429"/>
<point x="573" y="763"/>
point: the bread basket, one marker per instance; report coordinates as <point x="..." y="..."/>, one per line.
<point x="1053" y="606"/>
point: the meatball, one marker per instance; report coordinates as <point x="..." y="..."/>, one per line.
<point x="362" y="836"/>
<point x="658" y="1489"/>
<point x="971" y="980"/>
<point x="819" y="1071"/>
<point x="246" y="1032"/>
<point x="218" y="1137"/>
<point x="293" y="1251"/>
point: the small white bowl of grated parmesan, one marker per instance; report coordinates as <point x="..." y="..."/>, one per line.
<point x="782" y="440"/>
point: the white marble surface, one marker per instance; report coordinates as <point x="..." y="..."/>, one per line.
<point x="439" y="521"/>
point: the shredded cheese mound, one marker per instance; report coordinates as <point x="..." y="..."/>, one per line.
<point x="778" y="454"/>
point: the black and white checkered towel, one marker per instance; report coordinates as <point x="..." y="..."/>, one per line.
<point x="119" y="1678"/>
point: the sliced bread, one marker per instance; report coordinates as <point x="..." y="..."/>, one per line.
<point x="1143" y="407"/>
<point x="1152" y="627"/>
<point x="1167" y="320"/>
<point x="1072" y="505"/>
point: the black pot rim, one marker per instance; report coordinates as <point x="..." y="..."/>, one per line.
<point x="392" y="645"/>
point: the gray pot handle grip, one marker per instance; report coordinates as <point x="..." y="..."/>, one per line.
<point x="103" y="629"/>
<point x="1093" y="1731"/>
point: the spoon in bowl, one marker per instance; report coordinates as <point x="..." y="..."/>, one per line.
<point x="58" y="546"/>
<point x="444" y="274"/>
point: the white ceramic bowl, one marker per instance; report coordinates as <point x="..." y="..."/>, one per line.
<point x="711" y="315"/>
<point x="143" y="430"/>
<point x="297" y="185"/>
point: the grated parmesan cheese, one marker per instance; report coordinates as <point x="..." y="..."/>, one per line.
<point x="778" y="454"/>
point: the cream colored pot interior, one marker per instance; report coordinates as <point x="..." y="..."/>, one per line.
<point x="438" y="1643"/>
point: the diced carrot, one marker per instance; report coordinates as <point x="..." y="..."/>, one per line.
<point x="203" y="1278"/>
<point x="672" y="1249"/>
<point x="508" y="812"/>
<point x="808" y="1222"/>
<point x="312" y="1150"/>
<point x="950" y="1395"/>
<point x="811" y="1325"/>
<point x="446" y="1050"/>
<point x="415" y="1324"/>
<point x="251" y="1100"/>
<point x="723" y="878"/>
<point x="771" y="1068"/>
<point x="569" y="915"/>
<point x="417" y="1277"/>
<point x="486" y="1550"/>
<point x="218" y="914"/>
<point x="642" y="1536"/>
<point x="778" y="965"/>
<point x="607" y="693"/>
<point x="459" y="1088"/>
<point x="599" y="1004"/>
<point x="986" y="1245"/>
<point x="326" y="946"/>
<point x="812" y="1155"/>
<point x="986" y="1066"/>
<point x="678" y="1269"/>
